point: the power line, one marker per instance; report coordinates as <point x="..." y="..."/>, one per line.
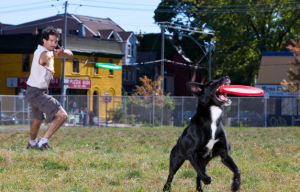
<point x="28" y="9"/>
<point x="287" y="8"/>
<point x="203" y="6"/>
<point x="221" y="6"/>
<point x="118" y="3"/>
<point x="26" y="4"/>
<point x="118" y="8"/>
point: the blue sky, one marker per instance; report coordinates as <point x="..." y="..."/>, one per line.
<point x="131" y="15"/>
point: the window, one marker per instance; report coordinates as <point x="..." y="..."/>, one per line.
<point x="95" y="67"/>
<point x="111" y="72"/>
<point x="131" y="76"/>
<point x="25" y="63"/>
<point x="130" y="50"/>
<point x="127" y="75"/>
<point x="75" y="65"/>
<point x="165" y="84"/>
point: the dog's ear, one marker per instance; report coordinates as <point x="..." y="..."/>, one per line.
<point x="195" y="88"/>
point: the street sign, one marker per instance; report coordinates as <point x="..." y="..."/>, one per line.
<point x="266" y="95"/>
<point x="106" y="100"/>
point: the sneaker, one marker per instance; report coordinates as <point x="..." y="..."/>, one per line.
<point x="32" y="146"/>
<point x="44" y="147"/>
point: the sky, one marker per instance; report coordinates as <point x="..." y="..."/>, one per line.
<point x="131" y="15"/>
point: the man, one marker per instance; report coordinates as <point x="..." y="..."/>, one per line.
<point x="42" y="71"/>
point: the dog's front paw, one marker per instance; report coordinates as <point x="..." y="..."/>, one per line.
<point x="207" y="180"/>
<point x="236" y="184"/>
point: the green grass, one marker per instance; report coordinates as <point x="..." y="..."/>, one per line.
<point x="137" y="159"/>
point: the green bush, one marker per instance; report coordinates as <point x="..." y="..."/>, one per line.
<point x="184" y="124"/>
<point x="157" y="122"/>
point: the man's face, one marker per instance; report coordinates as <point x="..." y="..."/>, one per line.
<point x="51" y="43"/>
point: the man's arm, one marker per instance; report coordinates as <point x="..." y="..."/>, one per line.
<point x="62" y="53"/>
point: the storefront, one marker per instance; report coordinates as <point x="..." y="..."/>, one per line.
<point x="20" y="84"/>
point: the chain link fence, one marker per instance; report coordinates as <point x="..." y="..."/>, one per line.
<point x="141" y="111"/>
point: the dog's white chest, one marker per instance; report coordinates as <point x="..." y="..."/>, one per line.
<point x="215" y="115"/>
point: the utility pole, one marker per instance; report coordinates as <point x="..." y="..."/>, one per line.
<point x="162" y="67"/>
<point x="62" y="80"/>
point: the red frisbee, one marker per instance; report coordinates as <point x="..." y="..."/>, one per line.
<point x="242" y="90"/>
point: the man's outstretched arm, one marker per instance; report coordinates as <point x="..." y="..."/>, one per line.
<point x="62" y="53"/>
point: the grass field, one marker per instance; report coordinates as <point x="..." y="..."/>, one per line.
<point x="137" y="159"/>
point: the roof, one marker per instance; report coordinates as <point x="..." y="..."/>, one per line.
<point x="2" y="25"/>
<point x="274" y="66"/>
<point x="27" y="43"/>
<point x="125" y="35"/>
<point x="93" y="45"/>
<point x="92" y="24"/>
<point x="96" y="24"/>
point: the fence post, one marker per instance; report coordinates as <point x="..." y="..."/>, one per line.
<point x="238" y="112"/>
<point x="153" y="108"/>
<point x="266" y="101"/>
<point x="87" y="112"/>
<point x="125" y="97"/>
<point x="293" y="111"/>
<point x="162" y="111"/>
<point x="23" y="122"/>
<point x="98" y="108"/>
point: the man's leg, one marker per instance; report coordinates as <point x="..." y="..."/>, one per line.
<point x="60" y="117"/>
<point x="34" y="128"/>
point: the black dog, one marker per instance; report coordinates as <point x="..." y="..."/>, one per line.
<point x="204" y="138"/>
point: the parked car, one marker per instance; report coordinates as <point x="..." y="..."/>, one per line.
<point x="187" y="116"/>
<point x="8" y="120"/>
<point x="248" y="118"/>
<point x="297" y="122"/>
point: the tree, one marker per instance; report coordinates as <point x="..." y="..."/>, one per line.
<point x="147" y="90"/>
<point x="293" y="86"/>
<point x="242" y="30"/>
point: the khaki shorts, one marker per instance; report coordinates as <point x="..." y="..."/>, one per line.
<point x="42" y="103"/>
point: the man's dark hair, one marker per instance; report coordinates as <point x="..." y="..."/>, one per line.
<point x="49" y="31"/>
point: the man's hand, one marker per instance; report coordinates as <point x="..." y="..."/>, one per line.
<point x="62" y="53"/>
<point x="59" y="52"/>
<point x="51" y="71"/>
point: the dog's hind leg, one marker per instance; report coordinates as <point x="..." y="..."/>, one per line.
<point x="176" y="160"/>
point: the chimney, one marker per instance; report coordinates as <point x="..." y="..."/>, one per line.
<point x="35" y="31"/>
<point x="81" y="30"/>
